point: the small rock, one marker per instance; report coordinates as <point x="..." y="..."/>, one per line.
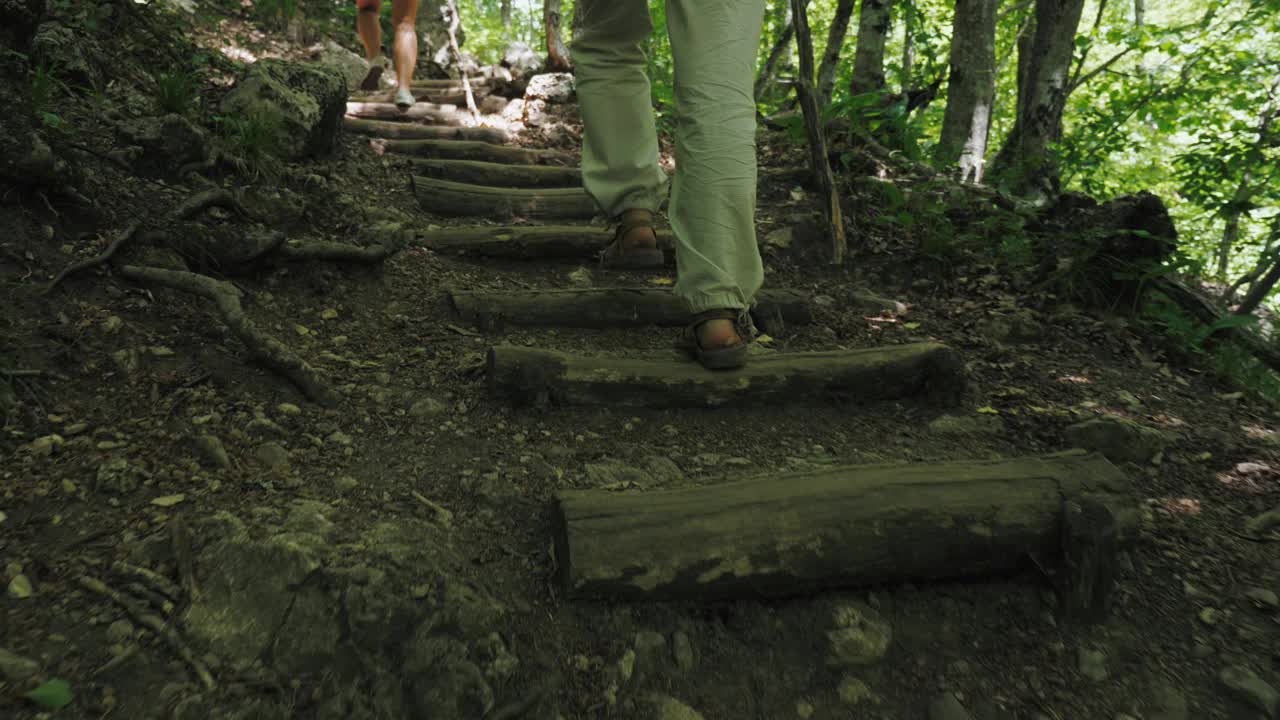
<point x="15" y="668"/>
<point x="47" y="445"/>
<point x="521" y="58"/>
<point x="1091" y="664"/>
<point x="651" y="651"/>
<point x="272" y="455"/>
<point x="780" y="238"/>
<point x="1246" y="688"/>
<point x="1118" y="439"/>
<point x="947" y="707"/>
<point x="1210" y="616"/>
<point x="75" y="429"/>
<point x="117" y="476"/>
<point x="120" y="631"/>
<point x="853" y="691"/>
<point x="337" y="437"/>
<point x="288" y="409"/>
<point x="265" y="427"/>
<point x="211" y="452"/>
<point x="614" y="474"/>
<point x="1263" y="599"/>
<point x="665" y="707"/>
<point x="20" y="587"/>
<point x="345" y="484"/>
<point x="805" y="709"/>
<point x="627" y="665"/>
<point x="580" y="278"/>
<point x="427" y="407"/>
<point x="551" y="87"/>
<point x="860" y="637"/>
<point x="682" y="650"/>
<point x="662" y="469"/>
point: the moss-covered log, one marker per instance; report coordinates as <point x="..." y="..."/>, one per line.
<point x="525" y="376"/>
<point x="413" y="131"/>
<point x="801" y="532"/>
<point x="500" y="175"/>
<point x="526" y="242"/>
<point x="605" y="307"/>
<point x="445" y="197"/>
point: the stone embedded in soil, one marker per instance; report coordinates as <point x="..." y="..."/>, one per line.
<point x="271" y="455"/>
<point x="118" y="477"/>
<point x="308" y="99"/>
<point x="211" y="451"/>
<point x="120" y="631"/>
<point x="15" y="668"/>
<point x="580" y="278"/>
<point x="47" y="445"/>
<point x="853" y="691"/>
<point x="20" y="587"/>
<point x="427" y="407"/>
<point x="1263" y="599"/>
<point x="616" y="474"/>
<point x="657" y="706"/>
<point x="1246" y="689"/>
<point x="1091" y="664"/>
<point x="651" y="652"/>
<point x="1120" y="440"/>
<point x="948" y="707"/>
<point x="682" y="651"/>
<point x="861" y="636"/>
<point x="551" y="87"/>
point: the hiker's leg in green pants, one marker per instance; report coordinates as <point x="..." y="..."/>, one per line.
<point x="713" y="198"/>
<point x="619" y="143"/>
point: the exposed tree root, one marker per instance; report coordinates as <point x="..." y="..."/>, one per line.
<point x="320" y="250"/>
<point x="101" y="258"/>
<point x="266" y="349"/>
<point x="162" y="629"/>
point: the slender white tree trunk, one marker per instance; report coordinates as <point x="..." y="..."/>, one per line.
<point x="970" y="90"/>
<point x="868" y="62"/>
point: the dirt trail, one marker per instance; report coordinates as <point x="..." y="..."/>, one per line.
<point x="392" y="555"/>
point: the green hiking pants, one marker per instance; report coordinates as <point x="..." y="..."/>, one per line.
<point x="713" y="196"/>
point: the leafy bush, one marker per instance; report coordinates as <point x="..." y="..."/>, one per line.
<point x="176" y="92"/>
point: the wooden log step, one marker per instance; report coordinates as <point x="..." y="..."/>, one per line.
<point x="500" y="175"/>
<point x="474" y="150"/>
<point x="413" y="131"/>
<point x="420" y="112"/>
<point x="450" y="83"/>
<point x="438" y="96"/>
<point x="529" y="376"/>
<point x="445" y="197"/>
<point x="526" y="242"/>
<point x="605" y="307"/>
<point x="800" y="532"/>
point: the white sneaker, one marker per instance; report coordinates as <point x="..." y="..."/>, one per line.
<point x="405" y="99"/>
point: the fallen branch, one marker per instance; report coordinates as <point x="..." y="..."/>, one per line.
<point x="455" y="19"/>
<point x="268" y="350"/>
<point x="1203" y="310"/>
<point x="324" y="251"/>
<point x="823" y="177"/>
<point x="162" y="629"/>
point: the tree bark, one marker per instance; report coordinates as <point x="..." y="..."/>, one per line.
<point x="801" y="532"/>
<point x="445" y="197"/>
<point x="504" y="9"/>
<point x="868" y="62"/>
<point x="780" y="46"/>
<point x="526" y="376"/>
<point x="822" y="175"/>
<point x="966" y="122"/>
<point x="1025" y="164"/>
<point x="908" y="46"/>
<point x="1259" y="290"/>
<point x="558" y="58"/>
<point x="831" y="54"/>
<point x="1139" y="13"/>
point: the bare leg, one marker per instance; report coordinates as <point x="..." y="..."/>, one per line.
<point x="370" y="31"/>
<point x="404" y="16"/>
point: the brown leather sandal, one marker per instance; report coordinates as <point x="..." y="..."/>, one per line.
<point x="730" y="357"/>
<point x="619" y="257"/>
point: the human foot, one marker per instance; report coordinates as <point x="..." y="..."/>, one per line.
<point x="719" y="339"/>
<point x="635" y="245"/>
<point x="405" y="99"/>
<point x="370" y="82"/>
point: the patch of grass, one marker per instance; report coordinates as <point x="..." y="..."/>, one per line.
<point x="43" y="85"/>
<point x="176" y="91"/>
<point x="253" y="139"/>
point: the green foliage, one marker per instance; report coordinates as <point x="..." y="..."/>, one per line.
<point x="176" y="91"/>
<point x="52" y="695"/>
<point x="277" y="13"/>
<point x="43" y="86"/>
<point x="254" y="139"/>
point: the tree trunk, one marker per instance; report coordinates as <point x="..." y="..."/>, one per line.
<point x="558" y="59"/>
<point x="971" y="89"/>
<point x="505" y="11"/>
<point x="804" y="531"/>
<point x="1259" y="290"/>
<point x="821" y="166"/>
<point x="868" y="62"/>
<point x="1025" y="164"/>
<point x="783" y="42"/>
<point x="908" y="46"/>
<point x="831" y="55"/>
<point x="1139" y="13"/>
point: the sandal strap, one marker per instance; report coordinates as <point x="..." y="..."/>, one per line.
<point x="741" y="321"/>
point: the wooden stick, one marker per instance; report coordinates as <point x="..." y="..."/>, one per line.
<point x="795" y="533"/>
<point x="823" y="177"/>
<point x="528" y="376"/>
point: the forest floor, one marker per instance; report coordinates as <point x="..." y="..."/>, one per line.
<point x="108" y="458"/>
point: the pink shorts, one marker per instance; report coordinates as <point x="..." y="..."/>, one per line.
<point x="374" y="5"/>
